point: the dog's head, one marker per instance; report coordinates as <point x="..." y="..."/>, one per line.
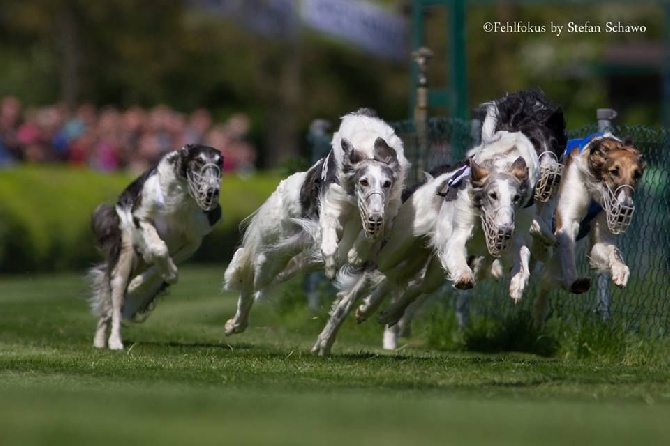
<point x="372" y="180"/>
<point x="498" y="195"/>
<point x="201" y="167"/>
<point x="618" y="166"/>
<point x="616" y="163"/>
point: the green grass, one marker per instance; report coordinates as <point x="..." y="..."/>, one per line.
<point x="179" y="381"/>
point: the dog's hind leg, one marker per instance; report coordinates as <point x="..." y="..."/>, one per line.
<point x="240" y="321"/>
<point x="431" y="281"/>
<point x="119" y="281"/>
<point x="341" y="308"/>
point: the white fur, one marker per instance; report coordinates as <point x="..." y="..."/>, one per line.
<point x="339" y="203"/>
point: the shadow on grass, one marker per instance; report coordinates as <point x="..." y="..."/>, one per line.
<point x="512" y="334"/>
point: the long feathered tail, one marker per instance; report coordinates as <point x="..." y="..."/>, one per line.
<point x="527" y="111"/>
<point x="100" y="298"/>
<point x="105" y="224"/>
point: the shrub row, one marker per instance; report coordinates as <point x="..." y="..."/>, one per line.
<point x="45" y="216"/>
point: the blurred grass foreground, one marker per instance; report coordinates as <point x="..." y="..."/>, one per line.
<point x="179" y="381"/>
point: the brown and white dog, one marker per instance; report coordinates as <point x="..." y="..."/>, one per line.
<point x="595" y="198"/>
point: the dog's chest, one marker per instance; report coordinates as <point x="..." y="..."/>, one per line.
<point x="175" y="225"/>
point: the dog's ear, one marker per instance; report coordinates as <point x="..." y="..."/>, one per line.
<point x="351" y="156"/>
<point x="181" y="165"/>
<point x="384" y="153"/>
<point x="598" y="157"/>
<point x="478" y="174"/>
<point x="519" y="169"/>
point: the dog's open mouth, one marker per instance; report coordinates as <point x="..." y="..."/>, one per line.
<point x="619" y="208"/>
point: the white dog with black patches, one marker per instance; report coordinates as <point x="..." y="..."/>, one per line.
<point x="159" y="221"/>
<point x="363" y="135"/>
<point x="347" y="200"/>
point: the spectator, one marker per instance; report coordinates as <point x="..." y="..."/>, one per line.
<point x="111" y="140"/>
<point x="10" y="113"/>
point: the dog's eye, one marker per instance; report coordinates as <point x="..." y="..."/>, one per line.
<point x="614" y="171"/>
<point x="364" y="182"/>
<point x="386" y="184"/>
<point x="637" y="175"/>
<point x="493" y="196"/>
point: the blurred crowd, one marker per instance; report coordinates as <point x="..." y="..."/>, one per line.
<point x="109" y="139"/>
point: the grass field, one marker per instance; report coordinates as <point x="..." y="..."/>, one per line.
<point x="179" y="381"/>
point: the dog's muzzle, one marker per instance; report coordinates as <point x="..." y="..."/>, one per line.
<point x="204" y="184"/>
<point x="497" y="237"/>
<point x="551" y="171"/>
<point x="619" y="208"/>
<point x="373" y="222"/>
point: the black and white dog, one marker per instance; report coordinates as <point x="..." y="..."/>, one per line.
<point x="158" y="221"/>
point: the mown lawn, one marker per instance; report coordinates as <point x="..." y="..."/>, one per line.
<point x="179" y="381"/>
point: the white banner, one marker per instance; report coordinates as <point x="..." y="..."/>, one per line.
<point x="364" y="24"/>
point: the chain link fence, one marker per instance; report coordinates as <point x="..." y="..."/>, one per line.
<point x="644" y="306"/>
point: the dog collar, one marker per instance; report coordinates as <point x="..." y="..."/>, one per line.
<point x="580" y="142"/>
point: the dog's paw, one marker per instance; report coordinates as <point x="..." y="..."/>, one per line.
<point x="390" y="316"/>
<point x="390" y="339"/>
<point x="99" y="342"/>
<point x="464" y="279"/>
<point x="232" y="327"/>
<point x="321" y="348"/>
<point x="330" y="267"/>
<point x="359" y="315"/>
<point x="516" y="287"/>
<point x="354" y="258"/>
<point x="115" y="343"/>
<point x="620" y="274"/>
<point x="497" y="269"/>
<point x="542" y="233"/>
<point x="580" y="285"/>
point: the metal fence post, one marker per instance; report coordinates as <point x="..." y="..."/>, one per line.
<point x="421" y="57"/>
<point x="603" y="295"/>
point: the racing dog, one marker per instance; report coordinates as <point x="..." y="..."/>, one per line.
<point x="158" y="221"/>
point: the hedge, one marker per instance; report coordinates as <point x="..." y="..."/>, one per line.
<point x="45" y="216"/>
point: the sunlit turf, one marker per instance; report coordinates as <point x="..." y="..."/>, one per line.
<point x="180" y="381"/>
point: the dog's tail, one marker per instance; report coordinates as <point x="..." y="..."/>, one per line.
<point x="529" y="112"/>
<point x="105" y="223"/>
<point x="106" y="226"/>
<point x="240" y="271"/>
<point x="100" y="299"/>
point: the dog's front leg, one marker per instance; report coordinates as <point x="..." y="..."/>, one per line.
<point x="330" y="224"/>
<point x="541" y="228"/>
<point x="454" y="258"/>
<point x="362" y="250"/>
<point x="155" y="251"/>
<point x="605" y="256"/>
<point x="521" y="249"/>
<point x="520" y="270"/>
<point x="425" y="283"/>
<point x="183" y="254"/>
<point x="565" y="237"/>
